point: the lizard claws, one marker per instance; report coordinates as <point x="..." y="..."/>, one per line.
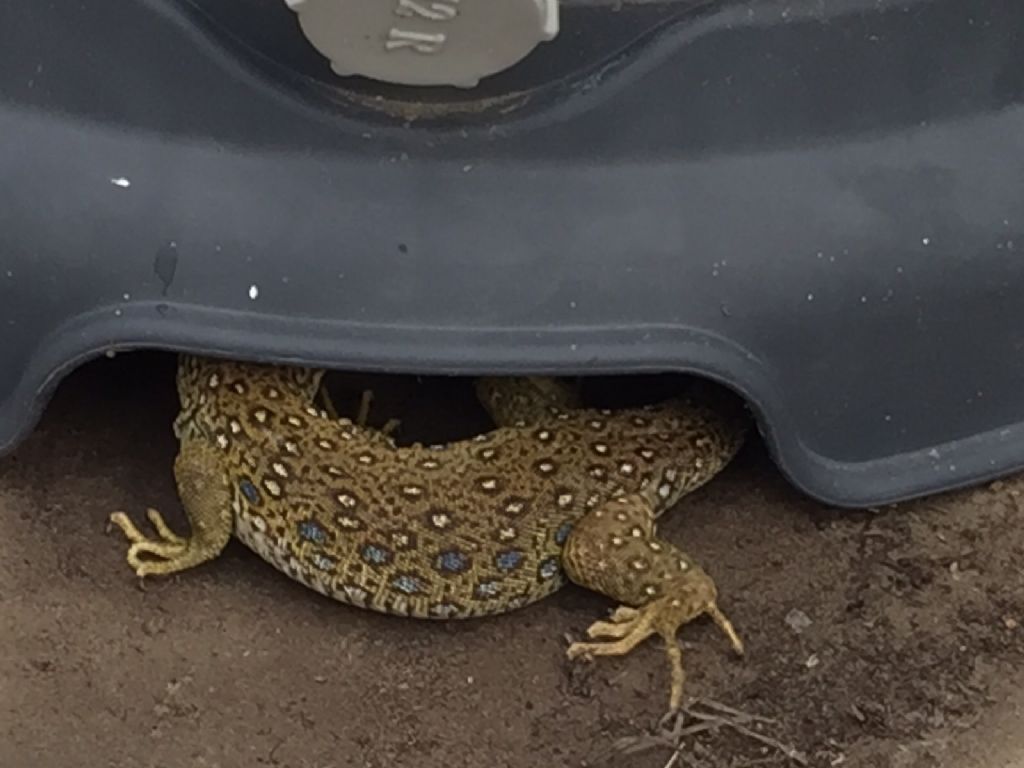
<point x="629" y="627"/>
<point x="166" y="549"/>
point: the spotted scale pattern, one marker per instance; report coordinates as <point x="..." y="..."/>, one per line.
<point x="470" y="528"/>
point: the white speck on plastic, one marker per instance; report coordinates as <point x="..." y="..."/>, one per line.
<point x="888" y="417"/>
<point x="934" y="453"/>
<point x="127" y="296"/>
<point x="810" y="297"/>
<point x="574" y="347"/>
<point x="254" y="292"/>
<point x="118" y="313"/>
<point x="467" y="168"/>
<point x="111" y="354"/>
<point x="572" y="305"/>
<point x="121" y="181"/>
<point x="10" y="273"/>
<point x="926" y="241"/>
<point x="863" y="299"/>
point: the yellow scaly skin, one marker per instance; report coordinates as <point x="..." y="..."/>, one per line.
<point x="472" y="528"/>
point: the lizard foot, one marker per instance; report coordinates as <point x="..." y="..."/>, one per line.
<point x="201" y="477"/>
<point x="629" y="627"/>
<point x="167" y="550"/>
<point x="616" y="551"/>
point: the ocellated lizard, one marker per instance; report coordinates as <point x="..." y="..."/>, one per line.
<point x="471" y="528"/>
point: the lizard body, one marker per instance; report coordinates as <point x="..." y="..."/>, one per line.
<point x="471" y="528"/>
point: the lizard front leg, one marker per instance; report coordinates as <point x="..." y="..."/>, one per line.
<point x="615" y="550"/>
<point x="205" y="494"/>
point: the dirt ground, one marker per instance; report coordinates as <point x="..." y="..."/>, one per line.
<point x="878" y="638"/>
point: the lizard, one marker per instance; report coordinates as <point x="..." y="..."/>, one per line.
<point x="471" y="528"/>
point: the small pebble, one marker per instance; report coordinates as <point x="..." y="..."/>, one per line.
<point x="152" y="627"/>
<point x="798" y="621"/>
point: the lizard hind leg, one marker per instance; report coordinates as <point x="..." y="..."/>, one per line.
<point x="615" y="550"/>
<point x="205" y="494"/>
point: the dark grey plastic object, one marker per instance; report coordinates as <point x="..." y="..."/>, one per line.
<point x="819" y="204"/>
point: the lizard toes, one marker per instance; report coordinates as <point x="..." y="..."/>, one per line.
<point x="579" y="650"/>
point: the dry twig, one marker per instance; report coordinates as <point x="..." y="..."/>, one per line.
<point x="701" y="716"/>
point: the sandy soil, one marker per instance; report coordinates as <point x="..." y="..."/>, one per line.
<point x="876" y="638"/>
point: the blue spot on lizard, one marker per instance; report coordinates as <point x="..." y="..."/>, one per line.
<point x="410" y="585"/>
<point x="508" y="560"/>
<point x="250" y="491"/>
<point x="451" y="561"/>
<point x="376" y="555"/>
<point x="562" y="534"/>
<point x="310" y="530"/>
<point x="548" y="568"/>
